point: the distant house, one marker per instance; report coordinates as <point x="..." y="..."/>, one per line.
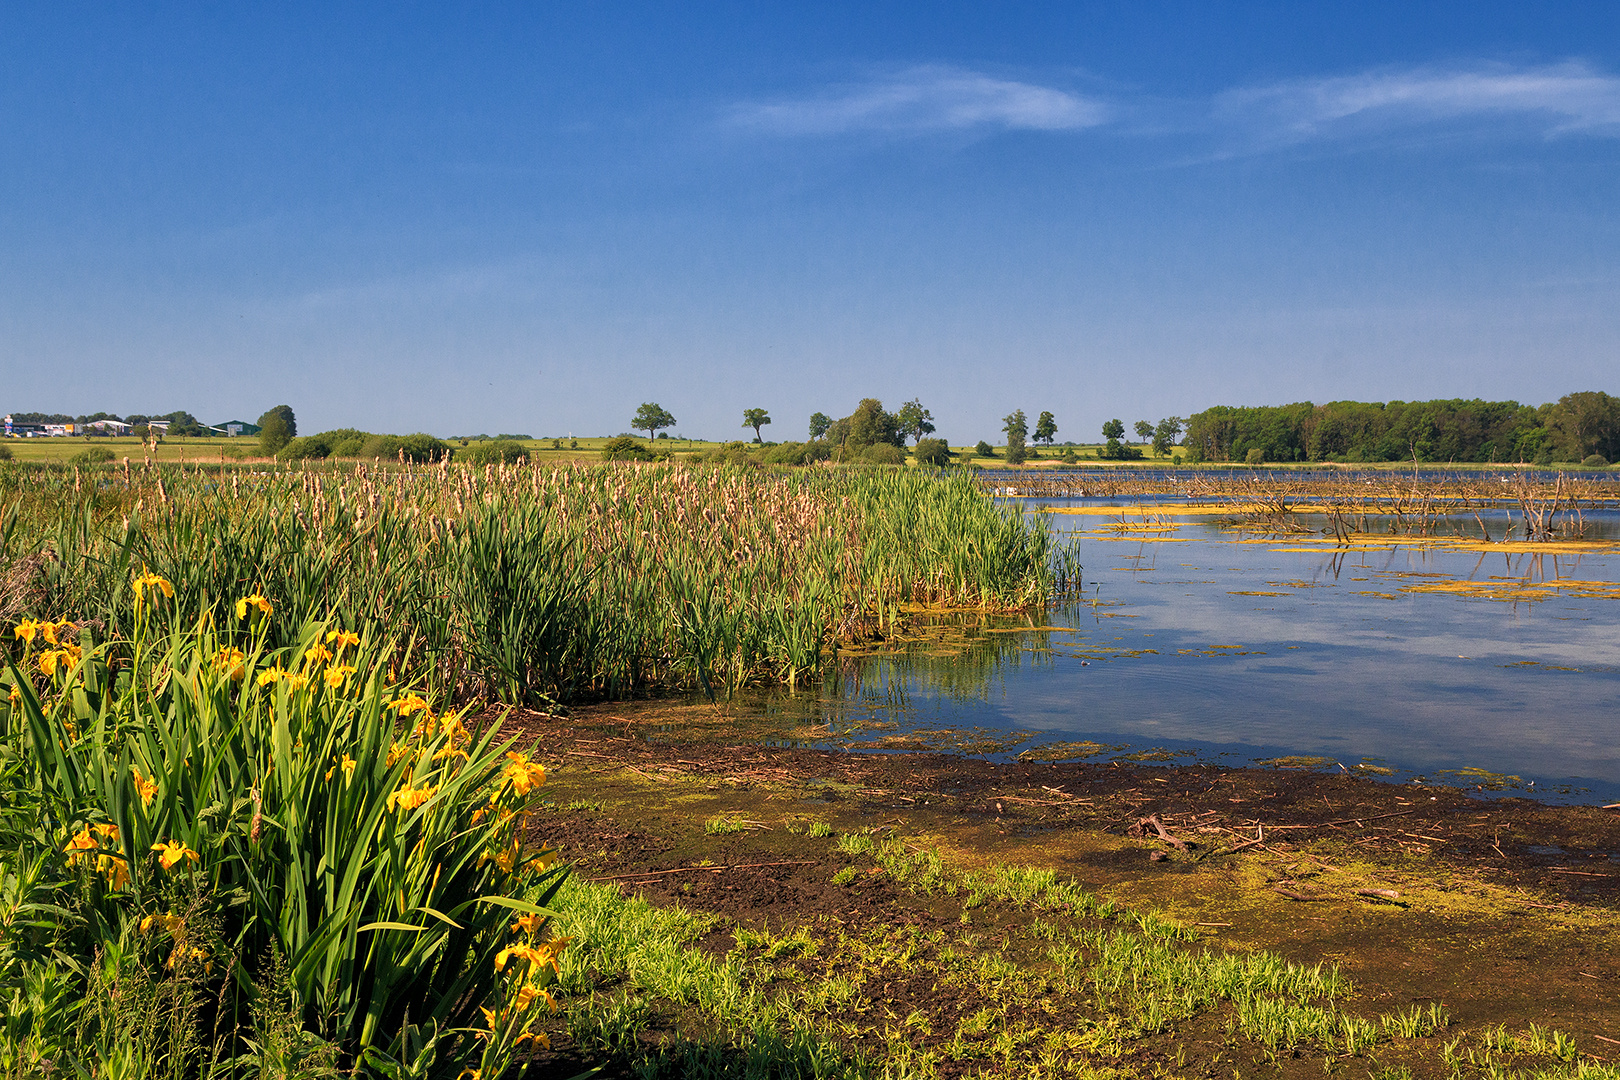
<point x="235" y="428"/>
<point x="159" y="426"/>
<point x="16" y="429"/>
<point x="58" y="431"/>
<point x="107" y="427"/>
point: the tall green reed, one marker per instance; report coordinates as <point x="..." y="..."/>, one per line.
<point x="536" y="583"/>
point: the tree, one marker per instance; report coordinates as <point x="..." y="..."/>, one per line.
<point x="1144" y="430"/>
<point x="915" y="421"/>
<point x="1017" y="428"/>
<point x="869" y="425"/>
<point x="277" y="428"/>
<point x="1045" y="428"/>
<point x="1114" y="429"/>
<point x="756" y="419"/>
<point x="1166" y="434"/>
<point x="650" y="417"/>
<point x="819" y="423"/>
<point x="984" y="449"/>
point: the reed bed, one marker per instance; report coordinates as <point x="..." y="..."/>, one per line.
<point x="1539" y="508"/>
<point x="534" y="583"/>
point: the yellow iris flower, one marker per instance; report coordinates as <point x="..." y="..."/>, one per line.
<point x="149" y="580"/>
<point x="337" y="673"/>
<point x="232" y="662"/>
<point x="255" y="601"/>
<point x="343" y="638"/>
<point x="522" y="773"/>
<point x="147" y="789"/>
<point x="172" y="852"/>
<point x="26" y="630"/>
<point x="409" y="798"/>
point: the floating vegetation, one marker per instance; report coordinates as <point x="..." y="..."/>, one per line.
<point x="1296" y="761"/>
<point x="1055" y="752"/>
<point x="1484" y="778"/>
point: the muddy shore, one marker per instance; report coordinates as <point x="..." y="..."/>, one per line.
<point x="1501" y="909"/>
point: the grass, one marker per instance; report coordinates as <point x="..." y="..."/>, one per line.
<point x="1058" y="983"/>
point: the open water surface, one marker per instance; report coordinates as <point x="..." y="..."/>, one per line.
<point x="1205" y="643"/>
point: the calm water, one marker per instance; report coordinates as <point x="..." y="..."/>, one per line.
<point x="1206" y="646"/>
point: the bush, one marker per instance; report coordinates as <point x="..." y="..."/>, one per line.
<point x="984" y="449"/>
<point x="1597" y="461"/>
<point x="1255" y="456"/>
<point x="1114" y="450"/>
<point x="884" y="454"/>
<point x="422" y="448"/>
<point x="796" y="453"/>
<point x="5" y="453"/>
<point x="304" y="448"/>
<point x="625" y="448"/>
<point x="498" y="452"/>
<point x="935" y="452"/>
<point x="95" y="455"/>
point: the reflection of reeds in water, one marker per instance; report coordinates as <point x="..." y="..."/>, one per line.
<point x="957" y="661"/>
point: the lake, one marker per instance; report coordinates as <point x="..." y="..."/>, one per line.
<point x="1446" y="660"/>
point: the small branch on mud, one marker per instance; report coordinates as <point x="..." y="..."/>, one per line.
<point x="1139" y="830"/>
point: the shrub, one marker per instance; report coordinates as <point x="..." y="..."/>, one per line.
<point x="625" y="448"/>
<point x="5" y="453"/>
<point x="935" y="452"/>
<point x="884" y="454"/>
<point x="1596" y="461"/>
<point x="796" y="453"/>
<point x="422" y="448"/>
<point x="304" y="448"/>
<point x="984" y="449"/>
<point x="498" y="452"/>
<point x="223" y="812"/>
<point x="95" y="455"/>
<point x="1255" y="456"/>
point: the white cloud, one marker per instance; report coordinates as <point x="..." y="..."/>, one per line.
<point x="1556" y="99"/>
<point x="924" y="99"/>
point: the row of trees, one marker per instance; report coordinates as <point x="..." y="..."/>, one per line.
<point x="1577" y="427"/>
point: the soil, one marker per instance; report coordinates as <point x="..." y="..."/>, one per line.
<point x="1500" y="908"/>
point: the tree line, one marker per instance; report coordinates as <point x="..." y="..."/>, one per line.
<point x="1579" y="427"/>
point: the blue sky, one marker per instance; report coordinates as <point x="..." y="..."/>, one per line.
<point x="533" y="218"/>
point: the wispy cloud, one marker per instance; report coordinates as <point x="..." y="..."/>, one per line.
<point x="921" y="100"/>
<point x="1557" y="99"/>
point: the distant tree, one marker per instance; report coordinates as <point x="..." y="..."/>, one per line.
<point x="819" y="423"/>
<point x="1166" y="434"/>
<point x="1144" y="430"/>
<point x="870" y="425"/>
<point x="1585" y="423"/>
<point x="984" y="449"/>
<point x="914" y="420"/>
<point x="1017" y="428"/>
<point x="277" y="428"/>
<point x="935" y="452"/>
<point x="756" y="419"/>
<point x="1045" y="428"/>
<point x="650" y="417"/>
<point x="1114" y="429"/>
